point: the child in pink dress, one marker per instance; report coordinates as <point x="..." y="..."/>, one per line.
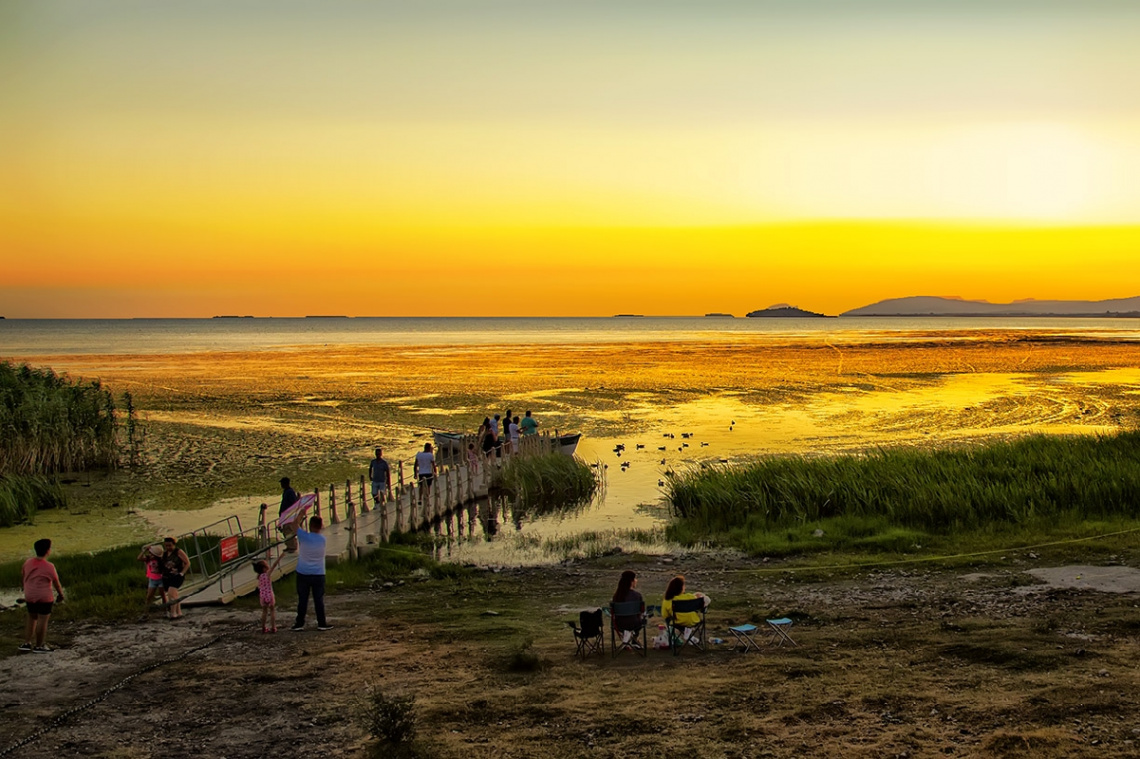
<point x="152" y="556"/>
<point x="265" y="590"/>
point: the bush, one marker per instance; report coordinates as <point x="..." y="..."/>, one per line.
<point x="522" y="659"/>
<point x="546" y="483"/>
<point x="391" y="719"/>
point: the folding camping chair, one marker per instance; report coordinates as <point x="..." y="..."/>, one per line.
<point x="778" y="631"/>
<point x="589" y="635"/>
<point x="745" y="637"/>
<point x="682" y="635"/>
<point x="637" y="640"/>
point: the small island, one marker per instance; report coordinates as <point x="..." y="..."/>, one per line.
<point x="721" y="316"/>
<point x="783" y="310"/>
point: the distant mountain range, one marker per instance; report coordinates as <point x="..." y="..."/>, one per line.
<point x="928" y="305"/>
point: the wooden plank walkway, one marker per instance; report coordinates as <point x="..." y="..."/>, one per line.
<point x="361" y="526"/>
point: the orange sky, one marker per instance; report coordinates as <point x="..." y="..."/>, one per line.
<point x="535" y="159"/>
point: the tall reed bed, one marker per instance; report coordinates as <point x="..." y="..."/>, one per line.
<point x="50" y="424"/>
<point x="546" y="483"/>
<point x="22" y="497"/>
<point x="1033" y="480"/>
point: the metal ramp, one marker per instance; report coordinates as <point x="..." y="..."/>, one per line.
<point x="222" y="555"/>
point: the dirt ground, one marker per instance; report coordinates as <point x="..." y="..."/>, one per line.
<point x="903" y="662"/>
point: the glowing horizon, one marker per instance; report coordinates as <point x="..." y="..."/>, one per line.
<point x="275" y="159"/>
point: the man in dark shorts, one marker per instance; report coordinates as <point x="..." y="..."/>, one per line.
<point x="425" y="470"/>
<point x="381" y="476"/>
<point x="174" y="564"/>
<point x="38" y="579"/>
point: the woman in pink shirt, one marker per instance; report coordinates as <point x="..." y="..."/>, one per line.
<point x="38" y="579"/>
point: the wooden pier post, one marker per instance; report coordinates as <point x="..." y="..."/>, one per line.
<point x="353" y="553"/>
<point x="364" y="507"/>
<point x="317" y="502"/>
<point x="383" y="506"/>
<point x="332" y="506"/>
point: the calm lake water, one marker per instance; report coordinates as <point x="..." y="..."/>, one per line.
<point x="37" y="337"/>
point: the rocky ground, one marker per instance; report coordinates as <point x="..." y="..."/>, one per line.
<point x="1017" y="658"/>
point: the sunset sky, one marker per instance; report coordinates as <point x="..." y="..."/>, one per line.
<point x="271" y="157"/>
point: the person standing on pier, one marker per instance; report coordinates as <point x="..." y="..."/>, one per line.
<point x="498" y="436"/>
<point x="289" y="496"/>
<point x="311" y="574"/>
<point x="425" y="471"/>
<point x="486" y="438"/>
<point x="528" y="425"/>
<point x="381" y="475"/>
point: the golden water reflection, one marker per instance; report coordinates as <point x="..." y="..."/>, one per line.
<point x="231" y="423"/>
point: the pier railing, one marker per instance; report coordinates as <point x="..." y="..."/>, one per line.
<point x="411" y="504"/>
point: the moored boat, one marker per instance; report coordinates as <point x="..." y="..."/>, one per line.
<point x="569" y="443"/>
<point x="448" y="444"/>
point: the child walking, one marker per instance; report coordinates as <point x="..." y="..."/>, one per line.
<point x="39" y="578"/>
<point x="265" y="590"/>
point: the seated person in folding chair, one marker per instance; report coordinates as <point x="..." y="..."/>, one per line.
<point x="675" y="591"/>
<point x="631" y="626"/>
<point x="626" y="591"/>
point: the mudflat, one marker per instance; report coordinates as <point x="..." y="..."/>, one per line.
<point x="220" y="425"/>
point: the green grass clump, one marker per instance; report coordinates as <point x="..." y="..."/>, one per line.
<point x="391" y="720"/>
<point x="22" y="496"/>
<point x="888" y="500"/>
<point x="542" y="484"/>
<point x="48" y="423"/>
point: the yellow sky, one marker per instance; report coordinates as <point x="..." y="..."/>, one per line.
<point x="545" y="158"/>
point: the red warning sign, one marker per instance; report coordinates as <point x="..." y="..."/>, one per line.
<point x="229" y="548"/>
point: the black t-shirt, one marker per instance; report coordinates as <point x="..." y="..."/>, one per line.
<point x="378" y="470"/>
<point x="288" y="498"/>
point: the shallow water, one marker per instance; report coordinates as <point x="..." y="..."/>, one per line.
<point x="740" y="390"/>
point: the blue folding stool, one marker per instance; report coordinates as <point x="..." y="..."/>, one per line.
<point x="744" y="639"/>
<point x="778" y="631"/>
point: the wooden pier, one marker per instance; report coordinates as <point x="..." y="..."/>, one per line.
<point x="354" y="523"/>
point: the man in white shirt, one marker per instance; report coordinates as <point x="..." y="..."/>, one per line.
<point x="425" y="471"/>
